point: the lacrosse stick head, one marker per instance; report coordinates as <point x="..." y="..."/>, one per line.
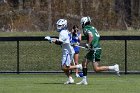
<point x="61" y="25"/>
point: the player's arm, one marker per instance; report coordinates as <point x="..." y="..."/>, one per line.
<point x="80" y="38"/>
<point x="57" y="41"/>
<point x="90" y="38"/>
<point x="53" y="40"/>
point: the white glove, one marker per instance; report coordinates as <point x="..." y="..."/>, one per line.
<point x="48" y="38"/>
<point x="87" y="46"/>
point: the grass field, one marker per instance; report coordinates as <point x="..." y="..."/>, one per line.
<point x="53" y="83"/>
<point x="40" y="56"/>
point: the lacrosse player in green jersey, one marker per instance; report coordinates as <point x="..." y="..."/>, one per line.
<point x="94" y="53"/>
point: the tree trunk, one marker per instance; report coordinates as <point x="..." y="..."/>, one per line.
<point x="127" y="8"/>
<point x="135" y="8"/>
<point x="81" y="8"/>
<point x="15" y="3"/>
<point x="49" y="15"/>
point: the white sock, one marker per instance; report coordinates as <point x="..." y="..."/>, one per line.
<point x="77" y="74"/>
<point x="77" y="66"/>
<point x="111" y="67"/>
<point x="70" y="77"/>
<point x="85" y="77"/>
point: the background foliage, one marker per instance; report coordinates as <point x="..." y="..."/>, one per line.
<point x="41" y="15"/>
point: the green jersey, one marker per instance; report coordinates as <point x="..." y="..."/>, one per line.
<point x="93" y="55"/>
<point x="96" y="37"/>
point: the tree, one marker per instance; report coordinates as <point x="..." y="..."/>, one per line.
<point x="136" y="8"/>
<point x="127" y="8"/>
<point x="16" y="3"/>
<point x="49" y="15"/>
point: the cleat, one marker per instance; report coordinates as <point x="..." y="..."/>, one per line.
<point x="117" y="69"/>
<point x="77" y="75"/>
<point x="81" y="74"/>
<point x="70" y="81"/>
<point x="83" y="82"/>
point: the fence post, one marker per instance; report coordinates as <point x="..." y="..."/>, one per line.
<point x="125" y="56"/>
<point x="17" y="57"/>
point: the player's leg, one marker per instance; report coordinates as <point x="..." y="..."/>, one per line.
<point x="76" y="57"/>
<point x="66" y="63"/>
<point x="88" y="58"/>
<point x="69" y="61"/>
<point x="70" y="79"/>
<point x="84" y="80"/>
<point x="98" y="68"/>
<point x="79" y="66"/>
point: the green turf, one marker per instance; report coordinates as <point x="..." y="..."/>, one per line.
<point x="41" y="56"/>
<point x="53" y="83"/>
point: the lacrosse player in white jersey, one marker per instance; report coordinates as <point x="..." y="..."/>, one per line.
<point x="67" y="49"/>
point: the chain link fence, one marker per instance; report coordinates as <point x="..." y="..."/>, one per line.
<point x="35" y="55"/>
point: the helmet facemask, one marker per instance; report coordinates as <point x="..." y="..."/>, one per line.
<point x="61" y="24"/>
<point x="85" y="21"/>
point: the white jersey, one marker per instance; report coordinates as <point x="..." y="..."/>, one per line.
<point x="67" y="49"/>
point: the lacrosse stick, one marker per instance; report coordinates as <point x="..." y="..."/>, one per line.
<point x="87" y="48"/>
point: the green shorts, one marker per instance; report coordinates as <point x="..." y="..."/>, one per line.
<point x="93" y="55"/>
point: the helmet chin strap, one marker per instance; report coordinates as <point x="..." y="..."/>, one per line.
<point x="64" y="28"/>
<point x="83" y="25"/>
<point x="59" y="30"/>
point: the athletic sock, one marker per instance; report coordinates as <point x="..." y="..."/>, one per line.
<point x="85" y="77"/>
<point x="111" y="67"/>
<point x="84" y="71"/>
<point x="77" y="66"/>
<point x="70" y="77"/>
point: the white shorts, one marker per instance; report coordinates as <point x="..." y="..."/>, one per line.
<point x="67" y="58"/>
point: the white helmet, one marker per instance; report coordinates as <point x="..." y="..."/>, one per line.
<point x="84" y="20"/>
<point x="61" y="24"/>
